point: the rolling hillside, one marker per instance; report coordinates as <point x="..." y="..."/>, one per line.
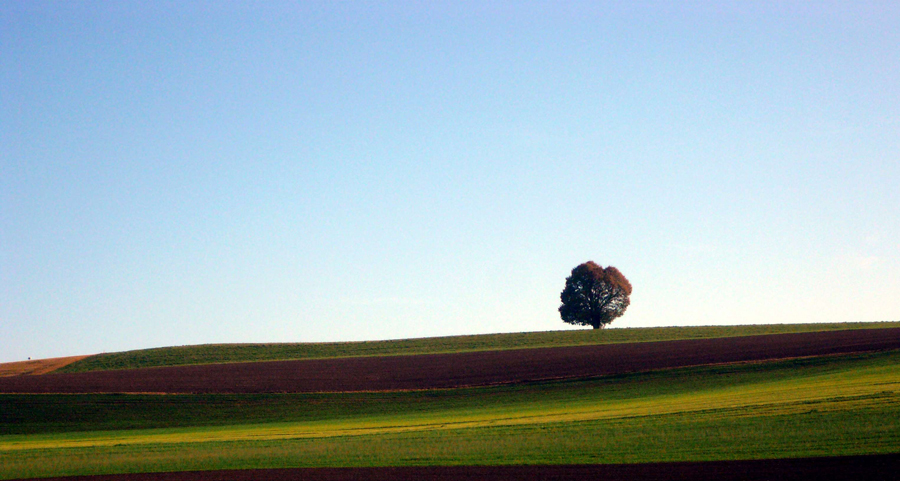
<point x="224" y="353"/>
<point x="809" y="400"/>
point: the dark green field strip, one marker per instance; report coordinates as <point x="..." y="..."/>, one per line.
<point x="877" y="466"/>
<point x="227" y="353"/>
<point x="54" y="413"/>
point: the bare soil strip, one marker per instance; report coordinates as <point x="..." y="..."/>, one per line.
<point x="438" y="371"/>
<point x="37" y="366"/>
<point x="872" y="467"/>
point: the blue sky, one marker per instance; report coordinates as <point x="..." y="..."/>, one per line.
<point x="183" y="173"/>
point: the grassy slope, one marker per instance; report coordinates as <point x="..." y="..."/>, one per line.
<point x="220" y="353"/>
<point x="39" y="366"/>
<point x="802" y="407"/>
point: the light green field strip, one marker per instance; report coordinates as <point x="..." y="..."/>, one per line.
<point x="850" y="386"/>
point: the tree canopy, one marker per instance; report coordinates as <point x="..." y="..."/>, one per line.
<point x="594" y="295"/>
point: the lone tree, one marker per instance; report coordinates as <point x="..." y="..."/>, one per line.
<point x="594" y="296"/>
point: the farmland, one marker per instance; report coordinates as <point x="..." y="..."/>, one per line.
<point x="39" y="366"/>
<point x="839" y="397"/>
<point x="228" y="353"/>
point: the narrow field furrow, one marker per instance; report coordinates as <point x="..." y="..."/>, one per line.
<point x="455" y="370"/>
<point x="834" y="468"/>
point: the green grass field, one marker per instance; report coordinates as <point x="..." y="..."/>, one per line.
<point x="838" y="405"/>
<point x="221" y="353"/>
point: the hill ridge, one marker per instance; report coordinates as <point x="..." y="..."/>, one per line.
<point x="219" y="353"/>
<point x="454" y="370"/>
<point x="244" y="352"/>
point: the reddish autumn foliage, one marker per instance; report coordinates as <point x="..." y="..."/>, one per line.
<point x="594" y="295"/>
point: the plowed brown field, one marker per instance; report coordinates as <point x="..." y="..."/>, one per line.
<point x="455" y="370"/>
<point x="876" y="467"/>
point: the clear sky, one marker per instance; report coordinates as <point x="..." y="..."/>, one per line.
<point x="202" y="172"/>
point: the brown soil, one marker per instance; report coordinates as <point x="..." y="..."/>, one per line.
<point x="874" y="467"/>
<point x="37" y="366"/>
<point x="454" y="370"/>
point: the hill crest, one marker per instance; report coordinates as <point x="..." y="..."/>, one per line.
<point x="232" y="353"/>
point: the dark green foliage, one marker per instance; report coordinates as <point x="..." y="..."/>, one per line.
<point x="594" y="295"/>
